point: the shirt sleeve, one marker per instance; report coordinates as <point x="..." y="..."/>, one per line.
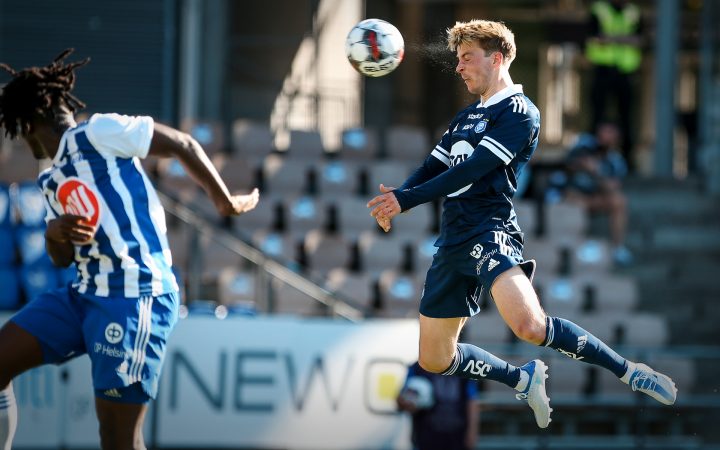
<point x="120" y="136"/>
<point x="509" y="135"/>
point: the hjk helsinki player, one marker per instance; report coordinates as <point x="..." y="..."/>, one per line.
<point x="476" y="166"/>
<point x="104" y="215"/>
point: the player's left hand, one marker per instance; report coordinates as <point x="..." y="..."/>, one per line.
<point x="386" y="207"/>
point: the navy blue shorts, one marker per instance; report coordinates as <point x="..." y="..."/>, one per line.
<point x="459" y="273"/>
<point x="125" y="338"/>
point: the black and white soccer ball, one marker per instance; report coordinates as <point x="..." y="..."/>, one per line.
<point x="374" y="47"/>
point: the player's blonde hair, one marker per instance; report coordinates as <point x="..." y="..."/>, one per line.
<point x="491" y="36"/>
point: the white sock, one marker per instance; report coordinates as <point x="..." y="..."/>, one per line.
<point x="8" y="417"/>
<point x="524" y="380"/>
<point x="631" y="368"/>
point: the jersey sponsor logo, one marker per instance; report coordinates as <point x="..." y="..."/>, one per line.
<point x="460" y="151"/>
<point x="477" y="368"/>
<point x="468" y="126"/>
<point x="77" y="198"/>
<point x="114" y="333"/>
<point x="484" y="259"/>
<point x="481" y="126"/>
<point x="476" y="251"/>
<point x="475" y="116"/>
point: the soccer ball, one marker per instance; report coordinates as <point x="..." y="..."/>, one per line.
<point x="374" y="47"/>
<point x="419" y="391"/>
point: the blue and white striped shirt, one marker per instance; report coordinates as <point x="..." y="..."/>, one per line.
<point x="97" y="173"/>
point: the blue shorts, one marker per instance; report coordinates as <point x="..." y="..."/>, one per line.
<point x="125" y="338"/>
<point x="459" y="273"/>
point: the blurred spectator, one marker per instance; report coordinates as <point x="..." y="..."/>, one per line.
<point x="613" y="48"/>
<point x="595" y="169"/>
<point x="445" y="410"/>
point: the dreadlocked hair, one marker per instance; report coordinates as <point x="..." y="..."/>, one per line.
<point x="37" y="91"/>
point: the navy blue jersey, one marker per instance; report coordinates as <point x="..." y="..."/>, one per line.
<point x="476" y="166"/>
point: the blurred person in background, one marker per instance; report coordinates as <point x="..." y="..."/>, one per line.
<point x="445" y="411"/>
<point x="595" y="169"/>
<point x="614" y="49"/>
<point x="102" y="214"/>
<point x="475" y="166"/>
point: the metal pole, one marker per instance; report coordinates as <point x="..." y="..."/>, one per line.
<point x="665" y="69"/>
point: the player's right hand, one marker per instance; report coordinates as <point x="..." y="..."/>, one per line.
<point x="244" y="203"/>
<point x="70" y="228"/>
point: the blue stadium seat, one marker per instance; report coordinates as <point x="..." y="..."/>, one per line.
<point x="6" y="217"/>
<point x="10" y="292"/>
<point x="37" y="279"/>
<point x="30" y="204"/>
<point x="31" y="243"/>
<point x="7" y="247"/>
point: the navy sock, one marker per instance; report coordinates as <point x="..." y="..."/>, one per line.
<point x="475" y="363"/>
<point x="574" y="342"/>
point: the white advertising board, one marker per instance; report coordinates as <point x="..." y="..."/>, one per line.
<point x="245" y="382"/>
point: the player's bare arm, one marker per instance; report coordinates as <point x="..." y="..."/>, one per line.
<point x="169" y="142"/>
<point x="62" y="234"/>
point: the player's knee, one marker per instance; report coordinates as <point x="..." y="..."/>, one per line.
<point x="530" y="331"/>
<point x="433" y="364"/>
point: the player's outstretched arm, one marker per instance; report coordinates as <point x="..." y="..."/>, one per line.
<point x="169" y="142"/>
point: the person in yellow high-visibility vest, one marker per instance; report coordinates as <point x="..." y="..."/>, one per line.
<point x="614" y="49"/>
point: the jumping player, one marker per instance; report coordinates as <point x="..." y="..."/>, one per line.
<point x="476" y="166"/>
<point x="104" y="215"/>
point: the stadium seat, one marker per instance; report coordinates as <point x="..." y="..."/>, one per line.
<point x="202" y="308"/>
<point x="235" y="286"/>
<point x="251" y="140"/>
<point x="359" y="144"/>
<point x="10" y="292"/>
<point x="174" y="181"/>
<point x="565" y="222"/>
<point x="282" y="175"/>
<point x="423" y="252"/>
<point x="37" y="279"/>
<point x="416" y="222"/>
<point x="209" y="133"/>
<point x="338" y="179"/>
<point x="278" y="245"/>
<point x="681" y="369"/>
<point x="547" y="253"/>
<point x="527" y="217"/>
<point x="487" y="327"/>
<point x="590" y="256"/>
<point x="304" y="214"/>
<point x="358" y="287"/>
<point x="31" y="244"/>
<point x="379" y="252"/>
<point x="7" y="247"/>
<point x="389" y="173"/>
<point x="608" y="293"/>
<point x="399" y="294"/>
<point x="216" y="257"/>
<point x="6" y="212"/>
<point x="407" y="143"/>
<point x="326" y="251"/>
<point x="269" y="215"/>
<point x="288" y="300"/>
<point x="306" y="145"/>
<point x="567" y="378"/>
<point x="30" y="204"/>
<point x="644" y="330"/>
<point x="354" y="217"/>
<point x="239" y="174"/>
<point x="559" y="296"/>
